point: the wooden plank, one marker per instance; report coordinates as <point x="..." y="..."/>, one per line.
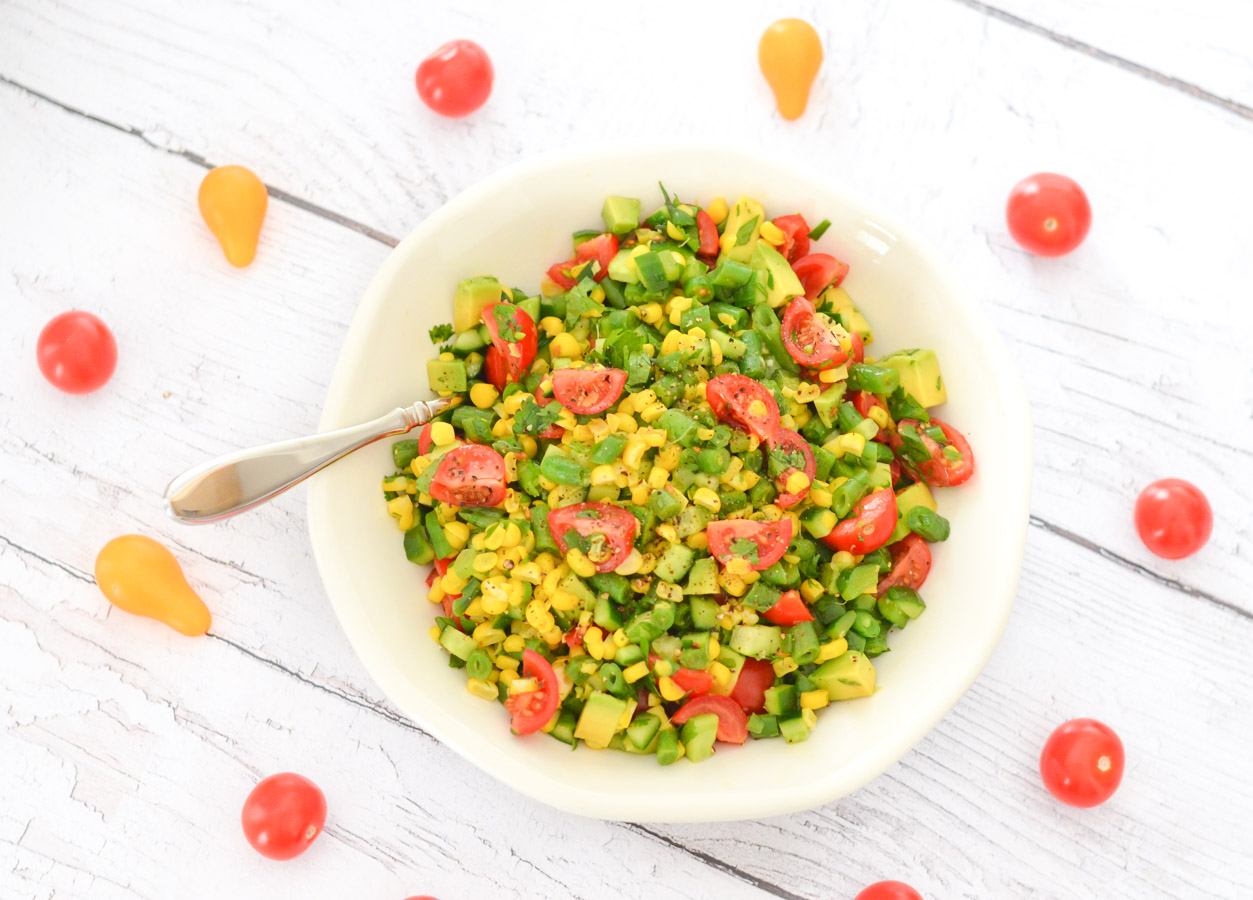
<point x="1132" y="332"/>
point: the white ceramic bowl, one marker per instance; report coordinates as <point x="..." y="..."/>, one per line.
<point x="514" y="225"/>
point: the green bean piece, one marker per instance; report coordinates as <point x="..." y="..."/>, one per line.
<point x="714" y="460"/>
<point x="560" y="470"/>
<point x="927" y="524"/>
<point x="876" y="379"/>
<point x="478" y="665"/>
<point x="608" y="449"/>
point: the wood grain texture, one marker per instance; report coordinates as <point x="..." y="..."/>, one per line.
<point x="127" y="750"/>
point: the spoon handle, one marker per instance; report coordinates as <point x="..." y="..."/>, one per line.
<point x="236" y="482"/>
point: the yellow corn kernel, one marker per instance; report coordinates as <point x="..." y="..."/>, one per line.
<point x="564" y="601"/>
<point x="735" y="585"/>
<point x="523" y="686"/>
<point x="809" y="717"/>
<point x="797" y="483"/>
<point x="597" y="294"/>
<point x="503" y="428"/>
<point x="483" y="394"/>
<point x="604" y="474"/>
<point x="482" y="689"/>
<point x="880" y="417"/>
<point x="715" y="351"/>
<point x="821" y="497"/>
<point x="843" y="560"/>
<point x="663" y="668"/>
<point x="772" y="234"/>
<point x="714" y="647"/>
<point x="401" y="509"/>
<point x="671" y="592"/>
<point x="634" y="673"/>
<point x="643" y="398"/>
<point x="547" y="563"/>
<point x="529" y="572"/>
<point x="434" y="632"/>
<point x="552" y="326"/>
<point x="437" y="593"/>
<point x="721" y="674"/>
<point x="811" y="590"/>
<point x="515" y="643"/>
<point x="503" y="661"/>
<point x="485" y="635"/>
<point x="698" y="541"/>
<point x="639" y="494"/>
<point x="652" y="412"/>
<point x="657" y="477"/>
<point x="832" y="649"/>
<point x="669" y="690"/>
<point x="513" y="534"/>
<point x="717" y="210"/>
<point x="494" y="538"/>
<point x="653" y="437"/>
<point x="538" y="616"/>
<point x="829" y="376"/>
<point x="631" y="564"/>
<point x="452" y="582"/>
<point x="815" y="699"/>
<point x="738" y="566"/>
<point x="419" y="465"/>
<point x="674" y="341"/>
<point x="567" y="345"/>
<point x="594" y="642"/>
<point x="669" y="457"/>
<point x="807" y="392"/>
<point x="599" y="428"/>
<point x="675" y="232"/>
<point x="579" y="564"/>
<point x="633" y="453"/>
<point x="515" y="401"/>
<point x="707" y="498"/>
<point x="668" y="532"/>
<point x="485" y="562"/>
<point x="458" y="534"/>
<point x="852" y="443"/>
<point x="443" y="434"/>
<point x="784" y="666"/>
<point x="651" y="313"/>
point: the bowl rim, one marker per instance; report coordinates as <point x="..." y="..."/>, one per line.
<point x="618" y="805"/>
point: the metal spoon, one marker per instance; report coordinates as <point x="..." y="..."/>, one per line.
<point x="237" y="482"/>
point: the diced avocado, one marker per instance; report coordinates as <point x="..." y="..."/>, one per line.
<point x="692" y="520"/>
<point x="599" y="720"/>
<point x="458" y="644"/>
<point x="531" y="307"/>
<point x="668" y="747"/>
<point x="845" y="677"/>
<point x="674" y="563"/>
<point x="757" y="641"/>
<point x="622" y="267"/>
<point x="763" y="726"/>
<point x="703" y="579"/>
<point x="642" y="731"/>
<point x="835" y="301"/>
<point x="472" y="295"/>
<point x="828" y="402"/>
<point x="446" y="375"/>
<point x="774" y="272"/>
<point x="699" y="733"/>
<point x="738" y="218"/>
<point x="917" y="494"/>
<point x="621" y="214"/>
<point x="852" y="583"/>
<point x="793" y="730"/>
<point x="920" y="375"/>
<point x="467" y="342"/>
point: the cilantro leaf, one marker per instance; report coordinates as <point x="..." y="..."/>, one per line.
<point x="441" y="333"/>
<point x="746" y="231"/>
<point x="781" y="459"/>
<point x="506" y="317"/>
<point x="902" y="405"/>
<point x="913" y="448"/>
<point x="532" y="418"/>
<point x="745" y="549"/>
<point x="579" y="305"/>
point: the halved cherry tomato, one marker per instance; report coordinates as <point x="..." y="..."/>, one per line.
<point x="1082" y="762"/>
<point x="496" y="368"/>
<point x="732" y="723"/>
<point x="693" y="681"/>
<point x="425" y="440"/>
<point x="513" y="337"/>
<point x="283" y="814"/>
<point x="532" y="710"/>
<point x="815" y="341"/>
<point x="708" y="232"/>
<point x="911" y="562"/>
<point x="872" y="523"/>
<point x="588" y="391"/>
<point x="552" y="432"/>
<point x="738" y="539"/>
<point x="817" y="271"/>
<point x="786" y="440"/>
<point x="472" y="475"/>
<point x="738" y="400"/>
<point x="789" y="610"/>
<point x="795" y="236"/>
<point x="574" y="637"/>
<point x="864" y="401"/>
<point x="756" y="676"/>
<point x="601" y="249"/>
<point x="939" y="470"/>
<point x="610" y="529"/>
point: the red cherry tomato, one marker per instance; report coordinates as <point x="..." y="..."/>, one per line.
<point x="708" y="232"/>
<point x="889" y="890"/>
<point x="756" y="676"/>
<point x="425" y="441"/>
<point x="588" y="391"/>
<point x="456" y="79"/>
<point x="76" y="352"/>
<point x="1048" y="214"/>
<point x="786" y="441"/>
<point x="514" y="339"/>
<point x="817" y="271"/>
<point x="600" y="249"/>
<point x="911" y="563"/>
<point x="610" y="529"/>
<point x="693" y="681"/>
<point x="1082" y="763"/>
<point x="1173" y="518"/>
<point x="740" y="538"/>
<point x="471" y="475"/>
<point x="533" y="710"/>
<point x="864" y="401"/>
<point x="283" y="814"/>
<point x="732" y="723"/>
<point x="790" y="610"/>
<point x="940" y="470"/>
<point x="872" y="522"/>
<point x="738" y="400"/>
<point x="496" y="368"/>
<point x="552" y="432"/>
<point x="814" y="340"/>
<point x="795" y="236"/>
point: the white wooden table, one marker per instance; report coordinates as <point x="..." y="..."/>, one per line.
<point x="127" y="750"/>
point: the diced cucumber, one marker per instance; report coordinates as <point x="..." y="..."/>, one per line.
<point x="674" y="563"/>
<point x="757" y="641"/>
